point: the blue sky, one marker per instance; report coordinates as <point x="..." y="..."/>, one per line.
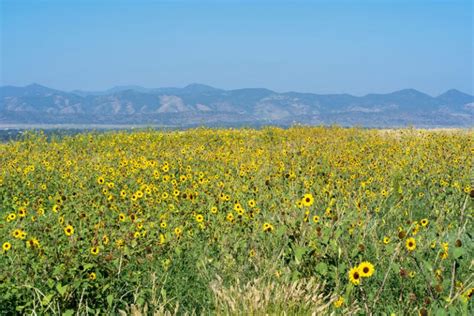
<point x="333" y="46"/>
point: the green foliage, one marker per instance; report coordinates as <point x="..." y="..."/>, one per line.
<point x="221" y="221"/>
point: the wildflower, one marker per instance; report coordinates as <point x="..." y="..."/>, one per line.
<point x="445" y="246"/>
<point x="339" y="302"/>
<point x="11" y="217"/>
<point x="307" y="200"/>
<point x="468" y="294"/>
<point x="267" y="227"/>
<point x="6" y="246"/>
<point x="17" y="233"/>
<point x="122" y="217"/>
<point x="22" y="212"/>
<point x="33" y="243"/>
<point x="100" y="180"/>
<point x="354" y="276"/>
<point x="251" y="203"/>
<point x="69" y="230"/>
<point x="92" y="276"/>
<point x="119" y="243"/>
<point x="199" y="218"/>
<point x="410" y="244"/>
<point x="366" y="269"/>
<point x="162" y="239"/>
<point x="95" y="250"/>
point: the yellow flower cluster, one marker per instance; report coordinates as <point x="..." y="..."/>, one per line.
<point x="113" y="208"/>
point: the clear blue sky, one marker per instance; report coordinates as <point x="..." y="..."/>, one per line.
<point x="328" y="46"/>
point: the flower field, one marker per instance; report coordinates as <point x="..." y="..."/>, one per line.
<point x="221" y="221"/>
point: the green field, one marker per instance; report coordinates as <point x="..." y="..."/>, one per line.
<point x="238" y="221"/>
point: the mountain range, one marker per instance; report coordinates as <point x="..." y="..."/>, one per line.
<point x="198" y="104"/>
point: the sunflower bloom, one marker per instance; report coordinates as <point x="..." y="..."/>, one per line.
<point x="366" y="269"/>
<point x="354" y="275"/>
<point x="410" y="244"/>
<point x="69" y="230"/>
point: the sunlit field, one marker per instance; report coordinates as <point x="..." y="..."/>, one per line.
<point x="213" y="221"/>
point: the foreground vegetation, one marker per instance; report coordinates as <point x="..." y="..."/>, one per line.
<point x="303" y="220"/>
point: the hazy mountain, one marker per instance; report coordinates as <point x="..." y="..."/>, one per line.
<point x="198" y="104"/>
<point x="456" y="99"/>
<point x="111" y="90"/>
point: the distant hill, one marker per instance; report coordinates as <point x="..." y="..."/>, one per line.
<point x="198" y="104"/>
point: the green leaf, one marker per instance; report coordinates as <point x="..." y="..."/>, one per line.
<point x="395" y="267"/>
<point x="50" y="283"/>
<point x="355" y="252"/>
<point x="440" y="312"/>
<point x="45" y="301"/>
<point x="299" y="253"/>
<point x="68" y="312"/>
<point x="342" y="267"/>
<point x="105" y="288"/>
<point x="88" y="266"/>
<point x="458" y="252"/>
<point x="110" y="299"/>
<point x="322" y="268"/>
<point x="61" y="289"/>
<point x="281" y="230"/>
<point x="428" y="266"/>
<point x="20" y="308"/>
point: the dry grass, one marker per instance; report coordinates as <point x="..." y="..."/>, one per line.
<point x="259" y="297"/>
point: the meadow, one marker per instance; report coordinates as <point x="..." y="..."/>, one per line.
<point x="305" y="220"/>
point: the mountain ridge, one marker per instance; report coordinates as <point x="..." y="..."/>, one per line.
<point x="202" y="104"/>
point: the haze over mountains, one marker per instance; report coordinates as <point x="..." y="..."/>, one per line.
<point x="198" y="104"/>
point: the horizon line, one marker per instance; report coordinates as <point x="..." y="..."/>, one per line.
<point x="74" y="91"/>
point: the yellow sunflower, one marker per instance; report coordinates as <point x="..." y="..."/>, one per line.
<point x="366" y="269"/>
<point x="354" y="276"/>
<point x="95" y="250"/>
<point x="6" y="246"/>
<point x="307" y="200"/>
<point x="267" y="227"/>
<point x="69" y="230"/>
<point x="199" y="218"/>
<point x="410" y="244"/>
